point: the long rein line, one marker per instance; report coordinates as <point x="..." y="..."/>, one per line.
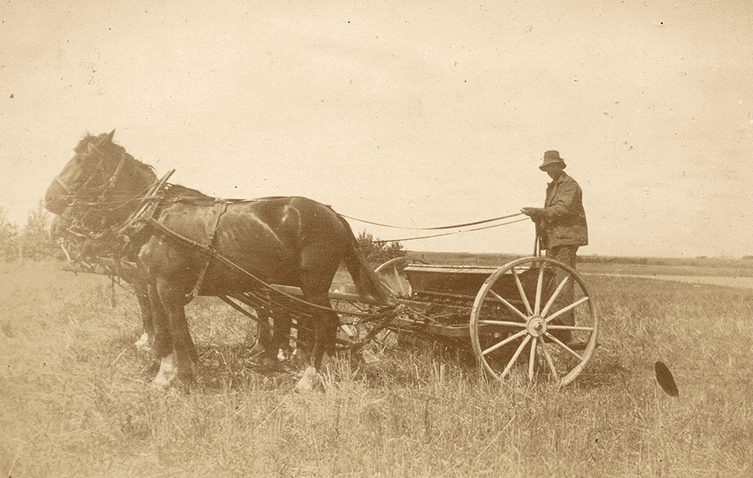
<point x="405" y="239"/>
<point x="455" y="226"/>
<point x="438" y="228"/>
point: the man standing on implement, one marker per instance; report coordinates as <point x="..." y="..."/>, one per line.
<point x="560" y="224"/>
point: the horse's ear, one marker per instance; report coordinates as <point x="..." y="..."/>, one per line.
<point x="109" y="136"/>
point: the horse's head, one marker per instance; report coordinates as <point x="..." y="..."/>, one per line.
<point x="83" y="176"/>
<point x="101" y="174"/>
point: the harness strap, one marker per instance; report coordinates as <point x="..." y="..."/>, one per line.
<point x="224" y="260"/>
<point x="107" y="184"/>
<point x="220" y="206"/>
<point x="111" y="183"/>
<point x="62" y="185"/>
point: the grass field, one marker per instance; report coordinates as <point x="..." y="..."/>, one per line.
<point x="75" y="400"/>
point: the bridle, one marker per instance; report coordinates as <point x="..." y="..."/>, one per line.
<point x="106" y="186"/>
<point x="86" y="202"/>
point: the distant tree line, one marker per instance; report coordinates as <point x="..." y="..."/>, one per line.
<point x="30" y="242"/>
<point x="617" y="260"/>
<point x="376" y="251"/>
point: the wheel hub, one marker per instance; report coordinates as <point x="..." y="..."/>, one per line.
<point x="536" y="326"/>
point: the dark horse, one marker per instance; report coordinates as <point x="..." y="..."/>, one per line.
<point x="290" y="241"/>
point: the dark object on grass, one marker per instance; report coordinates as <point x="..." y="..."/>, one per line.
<point x="665" y="379"/>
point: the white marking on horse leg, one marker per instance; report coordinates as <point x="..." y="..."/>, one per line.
<point x="167" y="372"/>
<point x="328" y="371"/>
<point x="143" y="342"/>
<point x="309" y="381"/>
<point x="327" y="363"/>
<point x="314" y="379"/>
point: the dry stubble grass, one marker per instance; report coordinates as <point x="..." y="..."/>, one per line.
<point x="74" y="399"/>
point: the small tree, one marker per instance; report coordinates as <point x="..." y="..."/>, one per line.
<point x="8" y="237"/>
<point x="35" y="241"/>
<point x="377" y="251"/>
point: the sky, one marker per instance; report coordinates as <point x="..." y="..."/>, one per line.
<point x="408" y="113"/>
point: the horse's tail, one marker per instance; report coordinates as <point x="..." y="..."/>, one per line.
<point x="368" y="283"/>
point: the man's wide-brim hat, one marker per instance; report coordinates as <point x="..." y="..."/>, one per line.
<point x="552" y="160"/>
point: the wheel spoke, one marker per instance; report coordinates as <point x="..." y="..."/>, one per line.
<point x="562" y="344"/>
<point x="522" y="292"/>
<point x="545" y="349"/>
<point x="515" y="356"/>
<point x="568" y="308"/>
<point x="570" y="327"/>
<point x="554" y="296"/>
<point x="539" y="283"/>
<point x="501" y="322"/>
<point x="509" y="305"/>
<point x="504" y="342"/>
<point x="532" y="361"/>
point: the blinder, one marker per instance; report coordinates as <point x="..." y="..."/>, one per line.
<point x="105" y="186"/>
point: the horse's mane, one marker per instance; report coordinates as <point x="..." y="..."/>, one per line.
<point x="86" y="141"/>
<point x="176" y="192"/>
<point x="173" y="192"/>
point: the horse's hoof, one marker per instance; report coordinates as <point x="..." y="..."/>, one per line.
<point x="300" y="358"/>
<point x="160" y="384"/>
<point x="269" y="362"/>
<point x="167" y="372"/>
<point x="178" y="383"/>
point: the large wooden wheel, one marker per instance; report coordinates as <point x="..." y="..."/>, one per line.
<point x="534" y="314"/>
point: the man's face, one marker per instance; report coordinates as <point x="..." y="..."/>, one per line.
<point x="554" y="173"/>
